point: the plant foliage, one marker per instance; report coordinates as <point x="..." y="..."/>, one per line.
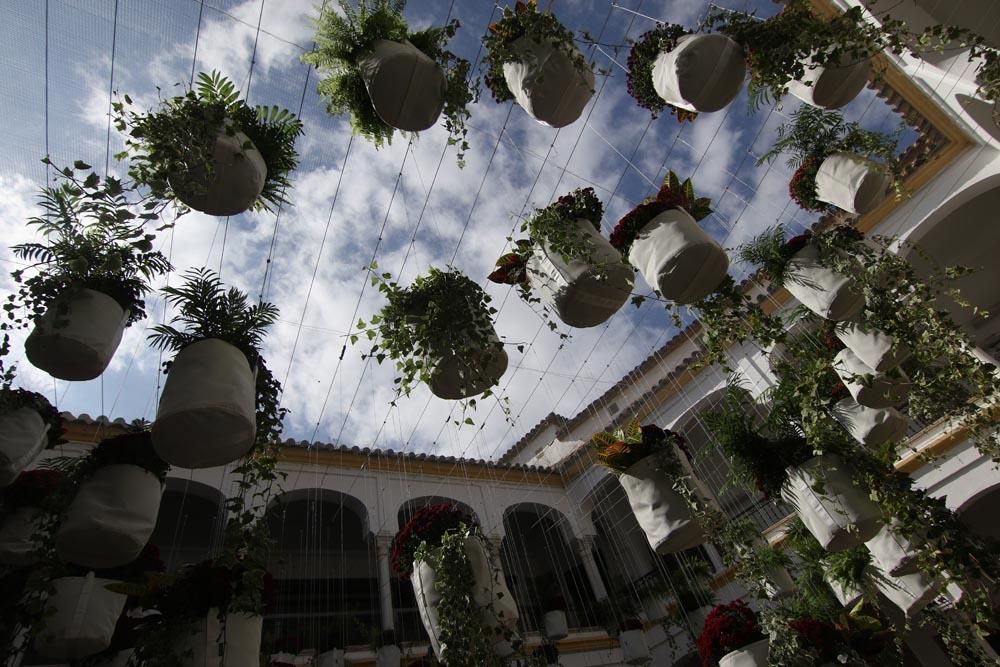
<point x="625" y="446"/>
<point x="641" y="59"/>
<point x="427" y="526"/>
<point x="672" y="194"/>
<point x="728" y="627"/>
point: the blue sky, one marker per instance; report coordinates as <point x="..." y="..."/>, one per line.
<point x="515" y="164"/>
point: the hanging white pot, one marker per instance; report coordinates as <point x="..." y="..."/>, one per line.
<point x="555" y="624"/>
<point x="851" y="182"/>
<point x="80" y="618"/>
<point x="677" y="257"/>
<point x="847" y="594"/>
<point x="826" y="292"/>
<point x="870" y="426"/>
<point x="582" y="293"/>
<point x="751" y="655"/>
<point x="235" y="645"/>
<point x="702" y="73"/>
<point x="207" y="414"/>
<point x="778" y="583"/>
<point x="661" y="512"/>
<point x="832" y="86"/>
<point x="405" y="86"/>
<point x="910" y="592"/>
<point x="23" y="434"/>
<point x="635" y="650"/>
<point x="464" y="373"/>
<point x="873" y="347"/>
<point x="388" y="656"/>
<point x="892" y="552"/>
<point x="16" y="545"/>
<point x="490" y="594"/>
<point x="238" y="176"/>
<point x="332" y="658"/>
<point x="839" y="517"/>
<point x="882" y="391"/>
<point x="547" y="82"/>
<point x="77" y="336"/>
<point x="111" y="517"/>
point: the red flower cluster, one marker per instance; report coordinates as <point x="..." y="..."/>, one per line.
<point x="625" y="231"/>
<point x="31" y="488"/>
<point x="428" y="524"/>
<point x="802" y="187"/>
<point x="581" y="203"/>
<point x="672" y="194"/>
<point x="819" y="635"/>
<point x="728" y="628"/>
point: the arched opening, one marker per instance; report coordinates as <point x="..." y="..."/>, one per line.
<point x="407" y="509"/>
<point x="980" y="514"/>
<point x="190" y="522"/>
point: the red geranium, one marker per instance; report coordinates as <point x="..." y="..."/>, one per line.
<point x="428" y="524"/>
<point x="802" y="187"/>
<point x="728" y="628"/>
<point x="818" y="635"/>
<point x="672" y="194"/>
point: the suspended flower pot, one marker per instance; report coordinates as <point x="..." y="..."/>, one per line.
<point x="868" y="388"/>
<point x="454" y="377"/>
<point x="732" y="637"/>
<point x="406" y="87"/>
<point x="28" y="423"/>
<point x="778" y="583"/>
<point x="702" y="73"/>
<point x="823" y="290"/>
<point x="233" y="180"/>
<point x="910" y="592"/>
<point x="80" y="618"/>
<point x="114" y="511"/>
<point x="662" y="239"/>
<point x="852" y="183"/>
<point x="21" y="513"/>
<point x="841" y="515"/>
<point x="847" y="593"/>
<point x="531" y="58"/>
<point x="870" y="426"/>
<point x="876" y="349"/>
<point x="232" y="642"/>
<point x="833" y="85"/>
<point x="893" y="553"/>
<point x="554" y="620"/>
<point x="752" y="655"/>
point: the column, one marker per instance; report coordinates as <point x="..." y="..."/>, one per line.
<point x="585" y="546"/>
<point x="383" y="546"/>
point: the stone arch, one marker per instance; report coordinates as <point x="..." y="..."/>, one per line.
<point x="190" y="522"/>
<point x="979" y="512"/>
<point x="409" y="507"/>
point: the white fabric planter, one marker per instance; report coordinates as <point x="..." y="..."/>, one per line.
<point x="778" y="583"/>
<point x="388" y="656"/>
<point x="16" y="545"/>
<point x="702" y="73"/>
<point x="872" y="347"/>
<point x="332" y="658"/>
<point x="870" y="426"/>
<point x="826" y="292"/>
<point x="406" y="87"/>
<point x="576" y="291"/>
<point x="831" y="87"/>
<point x="23" y="434"/>
<point x="751" y="655"/>
<point x="635" y="650"/>
<point x="851" y="182"/>
<point x="555" y="624"/>
<point x="882" y="392"/>
<point x="238" y="176"/>
<point x="547" y="83"/>
<point x="111" y="518"/>
<point x="207" y="414"/>
<point x="80" y="618"/>
<point x="892" y="552"/>
<point x="490" y="593"/>
<point x="840" y="517"/>
<point x="240" y="645"/>
<point x="910" y="592"/>
<point x="846" y="594"/>
<point x="457" y="376"/>
<point x="677" y="257"/>
<point x="77" y="344"/>
<point x="661" y="512"/>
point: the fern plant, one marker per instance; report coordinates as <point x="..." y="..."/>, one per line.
<point x="179" y="137"/>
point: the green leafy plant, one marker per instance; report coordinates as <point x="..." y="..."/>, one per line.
<point x="729" y="316"/>
<point x="94" y="239"/>
<point x="625" y="446"/>
<point x="771" y="252"/>
<point x="341" y="40"/>
<point x="135" y="448"/>
<point x="672" y="194"/>
<point x="641" y="59"/>
<point x="179" y="139"/>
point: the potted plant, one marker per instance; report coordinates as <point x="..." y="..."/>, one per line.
<point x="530" y="57"/>
<point x="893" y="552"/>
<point x="874" y="348"/>
<point x="113" y="513"/>
<point x="438" y="330"/>
<point x="385" y="647"/>
<point x="80" y="617"/>
<point x="554" y="620"/>
<point x="88" y="277"/>
<point x="463" y="600"/>
<point x="868" y="387"/>
<point x="732" y="637"/>
<point x="646" y="462"/>
<point x="211" y="150"/>
<point x="686" y="73"/>
<point x="662" y="239"/>
<point x="219" y="395"/>
<point x="28" y="423"/>
<point x="21" y="506"/>
<point x="574" y="269"/>
<point x="388" y="78"/>
<point x="833" y="162"/>
<point x="869" y="426"/>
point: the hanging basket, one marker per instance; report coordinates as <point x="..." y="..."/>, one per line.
<point x="635" y="650"/>
<point x="840" y="517"/>
<point x="870" y="426"/>
<point x="831" y="87"/>
<point x="751" y="655"/>
<point x="490" y="594"/>
<point x="703" y="73"/>
<point x="80" y="618"/>
<point x="892" y="552"/>
<point x="547" y="82"/>
<point x="406" y="87"/>
<point x="846" y="594"/>
<point x="111" y="517"/>
<point x="910" y="592"/>
<point x="873" y="347"/>
<point x="555" y="624"/>
<point x="238" y="176"/>
<point x="235" y="645"/>
<point x="461" y="375"/>
<point x="16" y="546"/>
<point x="661" y="512"/>
<point x="677" y="258"/>
<point x="577" y="291"/>
<point x="207" y="413"/>
<point x="77" y="336"/>
<point x="388" y="656"/>
<point x="882" y="391"/>
<point x="851" y="182"/>
<point x="826" y="292"/>
<point x="778" y="583"/>
<point x="23" y="434"/>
